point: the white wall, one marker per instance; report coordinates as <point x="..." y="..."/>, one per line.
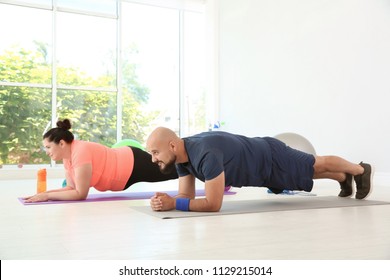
<point x="318" y="68"/>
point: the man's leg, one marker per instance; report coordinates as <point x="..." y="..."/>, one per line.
<point x="341" y="170"/>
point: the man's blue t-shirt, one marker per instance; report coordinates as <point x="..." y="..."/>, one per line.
<point x="246" y="161"/>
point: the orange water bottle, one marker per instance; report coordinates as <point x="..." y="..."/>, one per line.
<point x="41" y="180"/>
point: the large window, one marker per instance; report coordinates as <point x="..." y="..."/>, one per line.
<point x="117" y="69"/>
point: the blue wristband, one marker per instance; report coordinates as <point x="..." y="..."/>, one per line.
<point x="182" y="204"/>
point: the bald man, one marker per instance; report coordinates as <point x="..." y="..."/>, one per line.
<point x="222" y="159"/>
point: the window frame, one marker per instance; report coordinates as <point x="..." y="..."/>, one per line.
<point x="181" y="5"/>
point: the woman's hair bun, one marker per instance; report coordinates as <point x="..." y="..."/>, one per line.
<point x="64" y="124"/>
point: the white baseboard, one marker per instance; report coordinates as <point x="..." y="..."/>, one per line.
<point x="382" y="178"/>
<point x="30" y="172"/>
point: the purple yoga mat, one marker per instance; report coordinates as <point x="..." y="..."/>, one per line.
<point x="112" y="196"/>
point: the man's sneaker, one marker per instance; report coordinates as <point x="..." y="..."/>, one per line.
<point x="346" y="187"/>
<point x="364" y="181"/>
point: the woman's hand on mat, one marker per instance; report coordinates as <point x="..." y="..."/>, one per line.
<point x="39" y="197"/>
<point x="162" y="202"/>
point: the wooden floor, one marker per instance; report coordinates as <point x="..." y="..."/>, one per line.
<point x="114" y="231"/>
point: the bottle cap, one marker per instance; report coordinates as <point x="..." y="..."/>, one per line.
<point x="42" y="173"/>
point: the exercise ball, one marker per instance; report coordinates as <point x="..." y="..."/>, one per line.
<point x="296" y="141"/>
<point x="128" y="142"/>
